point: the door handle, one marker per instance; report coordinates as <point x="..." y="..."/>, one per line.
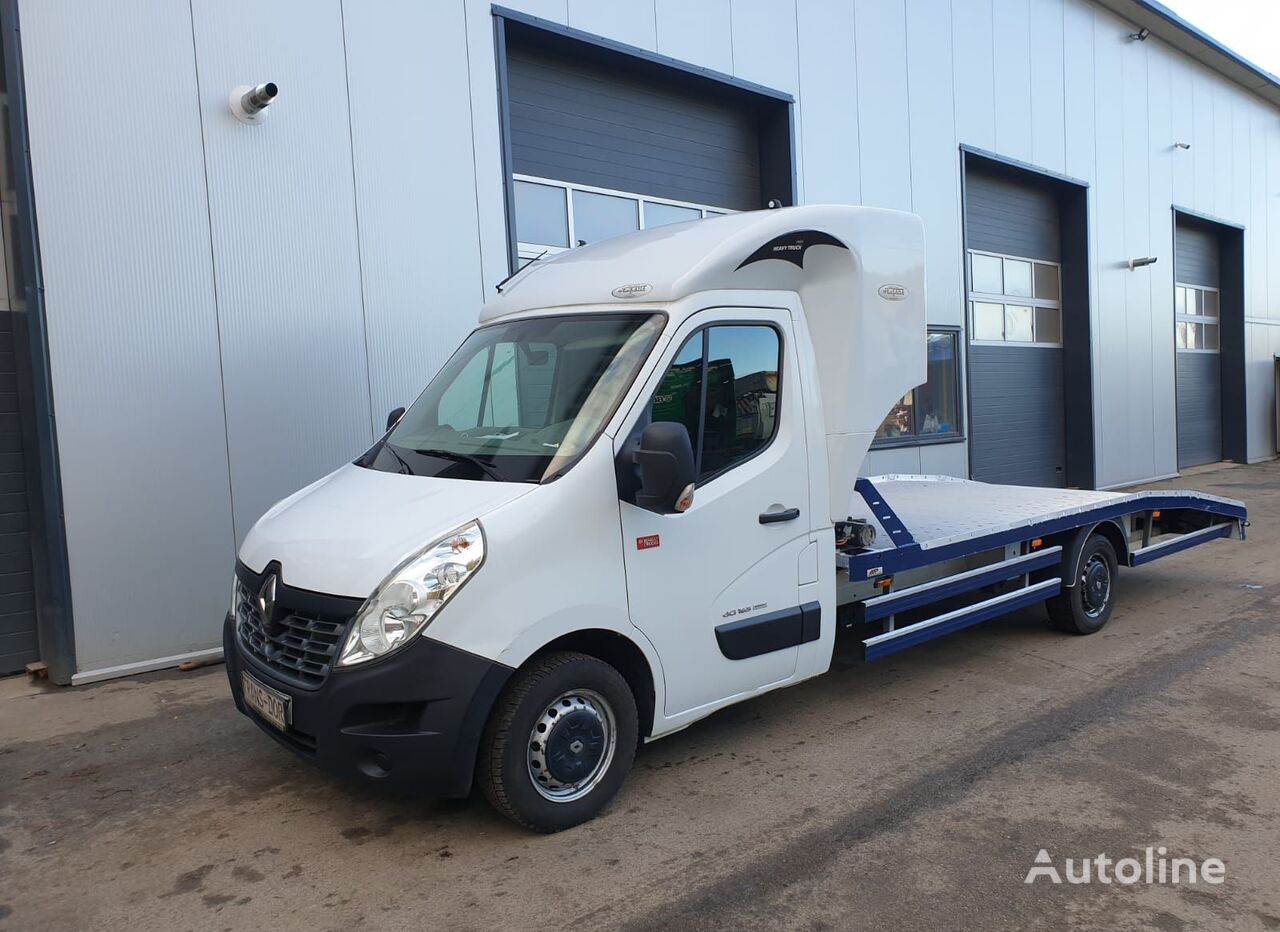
<point x="777" y="517"/>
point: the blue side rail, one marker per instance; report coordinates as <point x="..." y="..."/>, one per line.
<point x="1039" y="569"/>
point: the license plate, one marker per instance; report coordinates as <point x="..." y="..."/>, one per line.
<point x="271" y="704"/>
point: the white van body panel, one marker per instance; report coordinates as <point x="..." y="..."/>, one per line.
<point x="344" y="534"/>
<point x="553" y="566"/>
<point x="715" y="562"/>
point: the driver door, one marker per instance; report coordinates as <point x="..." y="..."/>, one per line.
<point x="715" y="588"/>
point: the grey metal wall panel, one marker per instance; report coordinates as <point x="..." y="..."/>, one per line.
<point x="1196" y="260"/>
<point x="1010" y="218"/>
<point x="133" y="334"/>
<point x="1016" y="415"/>
<point x="576" y="122"/>
<point x="1199" y="409"/>
<point x="286" y="253"/>
<point x="419" y="233"/>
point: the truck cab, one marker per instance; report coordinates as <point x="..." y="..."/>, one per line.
<point x="623" y="503"/>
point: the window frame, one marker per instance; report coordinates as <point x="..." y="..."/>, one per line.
<point x="527" y="251"/>
<point x="923" y="440"/>
<point x="973" y="297"/>
<point x="1203" y="319"/>
<point x="701" y="330"/>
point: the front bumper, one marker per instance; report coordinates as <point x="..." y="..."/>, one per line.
<point x="410" y="722"/>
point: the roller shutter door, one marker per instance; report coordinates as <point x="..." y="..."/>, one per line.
<point x="1197" y="275"/>
<point x="579" y="122"/>
<point x="1017" y="407"/>
<point x="17" y="599"/>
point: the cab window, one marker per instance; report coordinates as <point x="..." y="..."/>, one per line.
<point x="723" y="387"/>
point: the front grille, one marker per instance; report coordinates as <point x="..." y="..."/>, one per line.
<point x="300" y="646"/>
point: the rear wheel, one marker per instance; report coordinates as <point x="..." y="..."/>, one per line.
<point x="559" y="743"/>
<point x="1086" y="607"/>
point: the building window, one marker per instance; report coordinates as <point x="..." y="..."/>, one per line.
<point x="1196" y="318"/>
<point x="552" y="216"/>
<point x="1014" y="300"/>
<point x="930" y="411"/>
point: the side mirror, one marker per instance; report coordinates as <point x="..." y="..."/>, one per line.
<point x="394" y="416"/>
<point x="665" y="461"/>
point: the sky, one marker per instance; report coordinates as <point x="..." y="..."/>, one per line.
<point x="1250" y="28"/>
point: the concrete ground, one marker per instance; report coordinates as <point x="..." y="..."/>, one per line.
<point x="911" y="793"/>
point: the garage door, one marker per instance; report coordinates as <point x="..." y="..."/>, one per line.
<point x="17" y="601"/>
<point x="1017" y="406"/>
<point x="1197" y="329"/>
<point x="580" y="122"/>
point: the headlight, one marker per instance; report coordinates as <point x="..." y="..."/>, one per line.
<point x="409" y="598"/>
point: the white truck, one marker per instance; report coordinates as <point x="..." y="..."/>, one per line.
<point x="631" y="498"/>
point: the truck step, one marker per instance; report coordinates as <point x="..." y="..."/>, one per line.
<point x="892" y="641"/>
<point x="882" y="606"/>
<point x="1177" y="544"/>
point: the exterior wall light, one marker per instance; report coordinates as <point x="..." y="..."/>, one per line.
<point x="1140" y="35"/>
<point x="1139" y="263"/>
<point x="249" y="104"/>
<point x="1182" y="145"/>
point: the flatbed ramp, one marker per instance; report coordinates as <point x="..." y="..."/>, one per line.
<point x="931" y="521"/>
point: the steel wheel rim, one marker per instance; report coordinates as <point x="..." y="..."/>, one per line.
<point x="1095" y="585"/>
<point x="572" y="745"/>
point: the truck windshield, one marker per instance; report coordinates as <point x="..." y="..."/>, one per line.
<point x="519" y="401"/>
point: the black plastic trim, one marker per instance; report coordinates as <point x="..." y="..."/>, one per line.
<point x="304" y="600"/>
<point x="764" y="634"/>
<point x="412" y="722"/>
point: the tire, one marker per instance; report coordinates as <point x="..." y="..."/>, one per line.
<point x="559" y="742"/>
<point x="1086" y="607"/>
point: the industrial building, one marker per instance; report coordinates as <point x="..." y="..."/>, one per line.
<point x="208" y="309"/>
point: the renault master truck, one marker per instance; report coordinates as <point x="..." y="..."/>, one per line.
<point x="630" y="498"/>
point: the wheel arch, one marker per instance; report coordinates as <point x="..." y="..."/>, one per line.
<point x="1074" y="543"/>
<point x="621" y="653"/>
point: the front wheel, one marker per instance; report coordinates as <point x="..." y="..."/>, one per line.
<point x="1086" y="606"/>
<point x="559" y="743"/>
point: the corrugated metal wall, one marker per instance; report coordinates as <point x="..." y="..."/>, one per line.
<point x="232" y="309"/>
<point x="123" y="211"/>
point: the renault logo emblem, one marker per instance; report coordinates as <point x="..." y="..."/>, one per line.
<point x="267" y="605"/>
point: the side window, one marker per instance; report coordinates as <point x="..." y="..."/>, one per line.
<point x="739" y="366"/>
<point x="741" y="412"/>
<point x="679" y="395"/>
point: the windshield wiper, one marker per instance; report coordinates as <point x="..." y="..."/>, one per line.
<point x="475" y="461"/>
<point x="405" y="468"/>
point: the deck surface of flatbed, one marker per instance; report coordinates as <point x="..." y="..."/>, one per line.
<point x="942" y="510"/>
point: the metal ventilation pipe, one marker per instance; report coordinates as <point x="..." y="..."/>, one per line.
<point x="256" y="99"/>
<point x="249" y="104"/>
